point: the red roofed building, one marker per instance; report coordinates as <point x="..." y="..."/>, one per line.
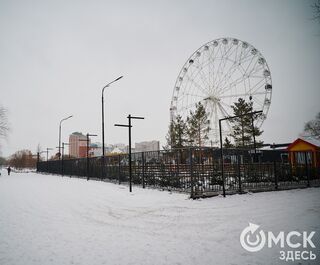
<point x="304" y="151"/>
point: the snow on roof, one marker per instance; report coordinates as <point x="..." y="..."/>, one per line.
<point x="311" y="141"/>
<point x="77" y="133"/>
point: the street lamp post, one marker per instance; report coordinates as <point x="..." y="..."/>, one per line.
<point x="62" y="159"/>
<point x="87" y="140"/>
<point x="48" y="157"/>
<point x="253" y="132"/>
<point x="129" y="126"/>
<point x="60" y="134"/>
<point x="38" y="158"/>
<point x="221" y="146"/>
<point x="102" y="115"/>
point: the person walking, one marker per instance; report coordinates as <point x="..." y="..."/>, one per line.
<point x="9" y="170"/>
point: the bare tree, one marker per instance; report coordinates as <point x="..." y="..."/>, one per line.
<point x="23" y="159"/>
<point x="312" y="128"/>
<point x="316" y="10"/>
<point x="4" y="125"/>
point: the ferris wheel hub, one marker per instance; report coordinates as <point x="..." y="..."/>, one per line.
<point x="213" y="99"/>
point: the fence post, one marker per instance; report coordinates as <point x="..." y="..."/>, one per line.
<point x="143" y="182"/>
<point x="239" y="173"/>
<point x="119" y="169"/>
<point x="191" y="173"/>
<point x="38" y="160"/>
<point x="307" y="169"/>
<point x="62" y="165"/>
<point x="87" y="167"/>
<point x="275" y="174"/>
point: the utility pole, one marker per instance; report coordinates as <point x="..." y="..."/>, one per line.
<point x="221" y="146"/>
<point x="87" y="151"/>
<point x="129" y="126"/>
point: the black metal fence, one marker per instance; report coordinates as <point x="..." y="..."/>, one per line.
<point x="195" y="171"/>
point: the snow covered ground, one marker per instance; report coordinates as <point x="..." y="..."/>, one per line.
<point x="46" y="219"/>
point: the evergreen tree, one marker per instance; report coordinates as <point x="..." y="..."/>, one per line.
<point x="176" y="136"/>
<point x="198" y="125"/>
<point x="242" y="131"/>
<point x="227" y="143"/>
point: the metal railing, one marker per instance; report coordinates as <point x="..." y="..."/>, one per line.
<point x="195" y="171"/>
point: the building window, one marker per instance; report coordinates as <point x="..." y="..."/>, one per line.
<point x="300" y="157"/>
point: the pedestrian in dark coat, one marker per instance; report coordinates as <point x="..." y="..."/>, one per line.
<point x="9" y="170"/>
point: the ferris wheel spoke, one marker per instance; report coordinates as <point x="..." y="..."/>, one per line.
<point x="223" y="111"/>
<point x="219" y="66"/>
<point x="193" y="95"/>
<point x="239" y="80"/>
<point x="204" y="80"/>
<point x="258" y="102"/>
<point x="242" y="95"/>
<point x="223" y="60"/>
<point x="205" y="86"/>
<point x="228" y="74"/>
<point x="258" y="87"/>
<point x="228" y="78"/>
<point x="211" y="66"/>
<point x="225" y="114"/>
<point x="189" y="106"/>
<point x="203" y="90"/>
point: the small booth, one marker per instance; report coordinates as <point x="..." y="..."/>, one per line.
<point x="304" y="152"/>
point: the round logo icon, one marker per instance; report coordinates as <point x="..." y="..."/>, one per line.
<point x="252" y="240"/>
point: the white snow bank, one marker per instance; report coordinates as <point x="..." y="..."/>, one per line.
<point x="47" y="219"/>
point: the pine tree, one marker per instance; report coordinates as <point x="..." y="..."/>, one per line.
<point x="242" y="131"/>
<point x="227" y="143"/>
<point x="198" y="125"/>
<point x="176" y="136"/>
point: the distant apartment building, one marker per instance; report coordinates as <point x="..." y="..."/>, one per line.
<point x="147" y="146"/>
<point x="77" y="145"/>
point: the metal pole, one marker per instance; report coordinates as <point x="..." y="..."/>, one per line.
<point x="59" y="138"/>
<point x="102" y="101"/>
<point x="143" y="170"/>
<point x="239" y="172"/>
<point x="307" y="170"/>
<point x="254" y="139"/>
<point x="103" y="148"/>
<point x="38" y="160"/>
<point x="129" y="125"/>
<point x="47" y="161"/>
<point x="130" y="166"/>
<point x="87" y="140"/>
<point x="102" y="110"/>
<point x="275" y="175"/>
<point x="62" y="159"/>
<point x="87" y="156"/>
<point x="60" y="134"/>
<point x="119" y="169"/>
<point x="222" y="164"/>
<point x="191" y="173"/>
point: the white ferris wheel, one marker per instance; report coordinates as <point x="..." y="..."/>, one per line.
<point x="217" y="75"/>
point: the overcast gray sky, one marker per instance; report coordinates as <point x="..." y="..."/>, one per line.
<point x="55" y="56"/>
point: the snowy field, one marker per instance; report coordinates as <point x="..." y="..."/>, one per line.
<point x="46" y="219"/>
